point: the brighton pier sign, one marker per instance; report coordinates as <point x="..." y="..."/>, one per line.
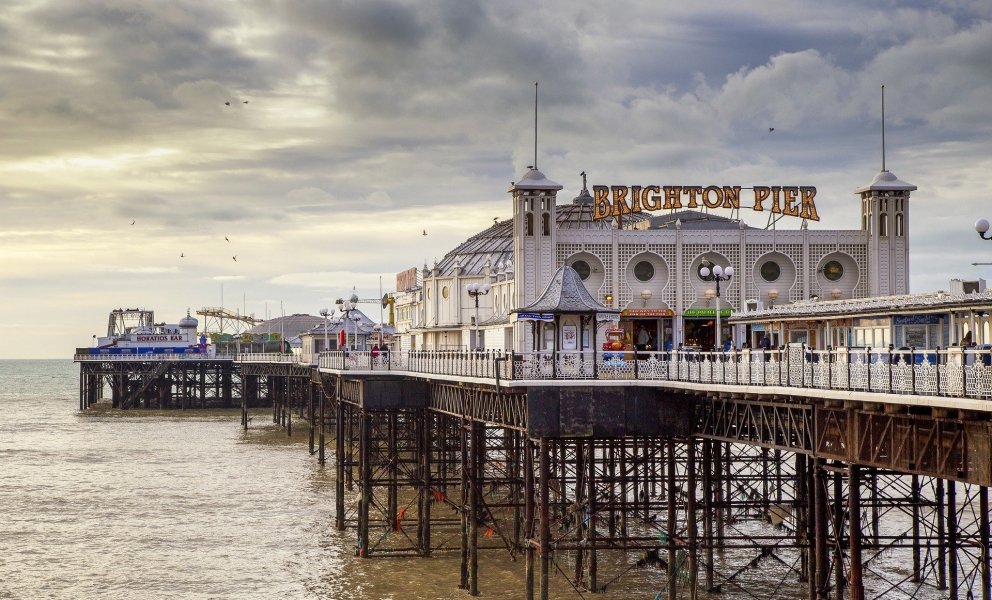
<point x="618" y="200"/>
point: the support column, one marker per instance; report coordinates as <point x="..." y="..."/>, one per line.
<point x="528" y="518"/>
<point x="463" y="460"/>
<point x="591" y="535"/>
<point x="424" y="424"/>
<point x="941" y="537"/>
<point x="917" y="566"/>
<point x="952" y="540"/>
<point x="708" y="513"/>
<point x="365" y="483"/>
<point x="838" y="519"/>
<point x="820" y="517"/>
<point x="339" y="457"/>
<point x="855" y="583"/>
<point x="392" y="503"/>
<point x="984" y="535"/>
<point x="670" y="527"/>
<point x="477" y="431"/>
<point x="545" y="475"/>
<point x="690" y="506"/>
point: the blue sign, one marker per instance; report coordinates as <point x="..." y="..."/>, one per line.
<point x="534" y="317"/>
<point x="916" y="319"/>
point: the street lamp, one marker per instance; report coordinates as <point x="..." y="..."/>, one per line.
<point x="982" y="227"/>
<point x="645" y="296"/>
<point x="355" y="319"/>
<point x="717" y="274"/>
<point x="475" y="290"/>
<point x="326" y="313"/>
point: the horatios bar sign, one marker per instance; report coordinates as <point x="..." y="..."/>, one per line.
<point x="618" y="200"/>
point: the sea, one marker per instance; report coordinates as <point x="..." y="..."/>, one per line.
<point x="185" y="504"/>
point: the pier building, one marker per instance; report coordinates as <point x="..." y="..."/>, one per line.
<point x="648" y="267"/>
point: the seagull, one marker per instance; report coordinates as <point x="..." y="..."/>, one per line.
<point x="235" y="257"/>
<point x="132" y="222"/>
<point x="225" y="239"/>
<point x="495" y="220"/>
<point x="244" y="102"/>
<point x="771" y="129"/>
<point x="182" y="255"/>
<point x="425" y="232"/>
<point x="227" y="104"/>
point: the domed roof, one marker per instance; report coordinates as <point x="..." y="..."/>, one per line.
<point x="886" y="181"/>
<point x="535" y="180"/>
<point x="188" y="321"/>
<point x="493" y="245"/>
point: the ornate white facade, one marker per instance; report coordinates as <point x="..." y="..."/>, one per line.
<point x="647" y="266"/>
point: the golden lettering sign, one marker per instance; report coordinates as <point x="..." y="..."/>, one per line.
<point x="617" y="200"/>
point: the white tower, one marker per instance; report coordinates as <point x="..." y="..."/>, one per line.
<point x="534" y="236"/>
<point x="885" y="216"/>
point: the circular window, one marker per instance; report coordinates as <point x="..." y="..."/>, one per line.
<point x="444" y="292"/>
<point x="582" y="268"/>
<point x="770" y="271"/>
<point x="833" y="270"/>
<point x="644" y="271"/>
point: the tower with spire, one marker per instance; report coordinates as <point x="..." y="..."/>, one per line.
<point x="534" y="235"/>
<point x="885" y="218"/>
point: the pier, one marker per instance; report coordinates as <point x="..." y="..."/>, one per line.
<point x="588" y="466"/>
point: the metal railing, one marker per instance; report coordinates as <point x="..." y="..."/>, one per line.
<point x="147" y="357"/>
<point x="272" y="357"/>
<point x="954" y="372"/>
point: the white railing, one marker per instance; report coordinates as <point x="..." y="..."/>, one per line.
<point x="955" y="372"/>
<point x="259" y="357"/>
<point x="137" y="357"/>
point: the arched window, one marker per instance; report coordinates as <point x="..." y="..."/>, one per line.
<point x="883" y="224"/>
<point x="529" y="224"/>
<point x="900" y="227"/>
<point x="546" y="224"/>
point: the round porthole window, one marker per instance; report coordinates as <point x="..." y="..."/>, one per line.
<point x="770" y="271"/>
<point x="644" y="271"/>
<point x="833" y="270"/>
<point x="582" y="268"/>
<point x="444" y="292"/>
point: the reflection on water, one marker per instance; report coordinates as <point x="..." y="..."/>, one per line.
<point x="150" y="504"/>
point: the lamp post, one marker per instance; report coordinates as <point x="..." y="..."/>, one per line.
<point x="982" y="227"/>
<point x="716" y="274"/>
<point x="475" y="290"/>
<point x="355" y="319"/>
<point x="325" y="313"/>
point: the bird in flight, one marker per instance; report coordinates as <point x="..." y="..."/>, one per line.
<point x="771" y="129"/>
<point x="425" y="232"/>
<point x="225" y="239"/>
<point x="235" y="257"/>
<point x="227" y="104"/>
<point x="244" y="102"/>
<point x="132" y="222"/>
<point x="182" y="255"/>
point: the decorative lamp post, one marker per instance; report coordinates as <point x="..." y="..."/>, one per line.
<point x="355" y="318"/>
<point x="772" y="296"/>
<point x="645" y="296"/>
<point x="474" y="291"/>
<point x="982" y="227"/>
<point x="716" y="274"/>
<point x="836" y="294"/>
<point x="325" y="313"/>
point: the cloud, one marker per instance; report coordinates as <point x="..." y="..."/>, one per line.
<point x="370" y="121"/>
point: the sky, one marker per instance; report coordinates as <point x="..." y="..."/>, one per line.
<point x="321" y="138"/>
